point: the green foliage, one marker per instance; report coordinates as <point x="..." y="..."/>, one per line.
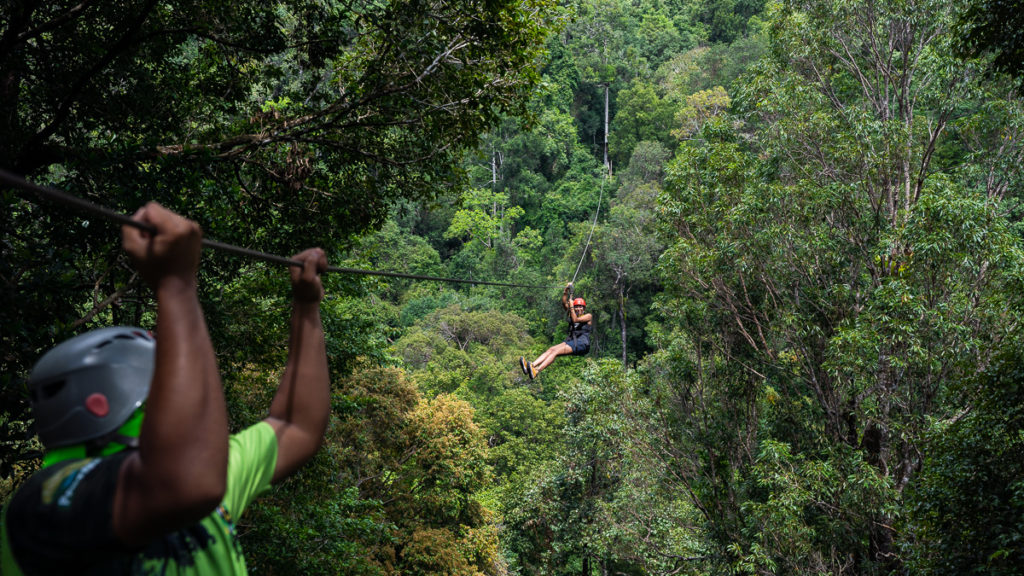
<point x="276" y="126"/>
<point x="790" y="304"/>
<point x="603" y="502"/>
<point x="471" y="354"/>
<point x="625" y="250"/>
<point x="994" y="27"/>
<point x="391" y="249"/>
<point x="484" y="218"/>
<point x="808" y="513"/>
<point x="705" y="67"/>
<point x="830" y="285"/>
<point x="642" y="115"/>
<point x="523" y="432"/>
<point x="727" y="20"/>
<point x="657" y="35"/>
<point x="432" y="552"/>
<point x="964" y="511"/>
<point x="420" y="303"/>
<point x="408" y="469"/>
<point x="573" y="199"/>
<point x="296" y="518"/>
<point x="700" y="107"/>
<point x="488" y="222"/>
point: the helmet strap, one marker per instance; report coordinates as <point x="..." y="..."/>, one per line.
<point x="109" y="444"/>
<point x="101" y="446"/>
<point x="75" y="452"/>
<point x="127" y="436"/>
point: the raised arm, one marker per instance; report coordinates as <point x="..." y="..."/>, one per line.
<point x="178" y="474"/>
<point x="301" y="406"/>
<point x="584" y="318"/>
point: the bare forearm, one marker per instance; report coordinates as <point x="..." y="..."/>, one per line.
<point x="301" y="407"/>
<point x="179" y="473"/>
<point x="186" y="418"/>
<point x="304" y="384"/>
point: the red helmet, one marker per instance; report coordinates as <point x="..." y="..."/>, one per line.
<point x="579" y="302"/>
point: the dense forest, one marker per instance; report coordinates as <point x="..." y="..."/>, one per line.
<point x="798" y="226"/>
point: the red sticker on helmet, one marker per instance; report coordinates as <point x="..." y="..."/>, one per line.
<point x="97" y="404"/>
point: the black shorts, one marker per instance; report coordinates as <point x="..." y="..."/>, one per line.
<point x="579" y="346"/>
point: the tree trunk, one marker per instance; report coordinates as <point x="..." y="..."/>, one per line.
<point x="622" y="324"/>
<point x="494" y="184"/>
<point x="607" y="166"/>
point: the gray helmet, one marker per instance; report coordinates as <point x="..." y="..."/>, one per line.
<point x="88" y="386"/>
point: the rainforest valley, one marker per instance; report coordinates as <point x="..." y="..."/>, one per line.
<point x="797" y="225"/>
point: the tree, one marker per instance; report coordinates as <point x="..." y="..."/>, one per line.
<point x="699" y="107"/>
<point x="249" y="118"/>
<point x="260" y="98"/>
<point x="994" y="27"/>
<point x="643" y="115"/>
<point x="391" y="249"/>
<point x="627" y="247"/>
<point x="487" y="221"/>
<point x="705" y="67"/>
<point x="832" y="275"/>
<point x="600" y="506"/>
<point x="557" y="521"/>
<point x="469" y="353"/>
<point x="277" y="127"/>
<point x="964" y="509"/>
<point x="726" y="20"/>
<point x="412" y="466"/>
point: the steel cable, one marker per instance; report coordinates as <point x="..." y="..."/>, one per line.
<point x="66" y="199"/>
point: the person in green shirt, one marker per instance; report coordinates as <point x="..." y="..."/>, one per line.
<point x="140" y="474"/>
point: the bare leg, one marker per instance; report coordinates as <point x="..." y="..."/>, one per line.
<point x="543" y="357"/>
<point x="550" y="354"/>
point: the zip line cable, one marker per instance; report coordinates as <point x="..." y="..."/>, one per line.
<point x="592" y="226"/>
<point x="60" y="197"/>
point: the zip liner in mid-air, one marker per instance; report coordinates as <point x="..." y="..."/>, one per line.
<point x="576" y="343"/>
<point x="581" y="323"/>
